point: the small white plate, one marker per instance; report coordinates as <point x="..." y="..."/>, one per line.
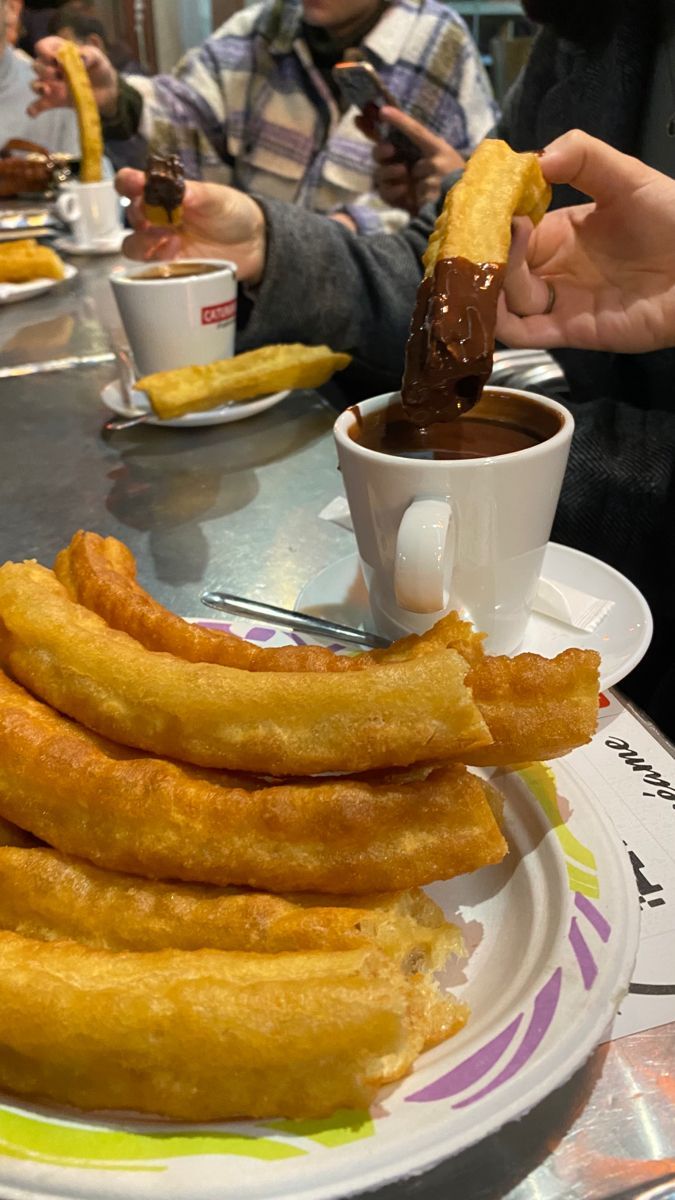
<point x="338" y="593"/>
<point x="552" y="934"/>
<point x="11" y="292"/>
<point x="113" y="397"/>
<point x="110" y="245"/>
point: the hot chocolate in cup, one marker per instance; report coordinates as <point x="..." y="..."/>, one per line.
<point x="457" y="515"/>
<point x="177" y="314"/>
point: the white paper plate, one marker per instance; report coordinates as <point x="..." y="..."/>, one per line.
<point x="622" y="638"/>
<point x="11" y="292"/>
<point x="553" y="932"/>
<point x="113" y="398"/>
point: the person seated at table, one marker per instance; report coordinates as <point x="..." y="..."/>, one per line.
<point x="35" y="21"/>
<point x="70" y="23"/>
<point x="603" y="67"/>
<point x="614" y="266"/>
<point x="14" y="25"/>
<point x="55" y="131"/>
<point x="257" y="106"/>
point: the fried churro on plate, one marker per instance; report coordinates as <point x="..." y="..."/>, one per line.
<point x="192" y="941"/>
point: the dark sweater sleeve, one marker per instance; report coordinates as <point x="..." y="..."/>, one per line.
<point x="127" y="117"/>
<point x="618" y="498"/>
<point x="324" y="284"/>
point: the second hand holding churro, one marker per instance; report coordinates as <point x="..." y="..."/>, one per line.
<point x="217" y="222"/>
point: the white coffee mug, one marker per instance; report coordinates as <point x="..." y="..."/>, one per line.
<point x="177" y="320"/>
<point x="436" y="534"/>
<point x="92" y="210"/>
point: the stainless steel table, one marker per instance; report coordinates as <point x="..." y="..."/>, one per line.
<point x="235" y="506"/>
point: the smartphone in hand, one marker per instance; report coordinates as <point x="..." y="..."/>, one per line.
<point x="361" y="85"/>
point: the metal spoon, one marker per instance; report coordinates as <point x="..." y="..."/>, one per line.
<point x="289" y="618"/>
<point x="136" y="416"/>
<point x="114" y="424"/>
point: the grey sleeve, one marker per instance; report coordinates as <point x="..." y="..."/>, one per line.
<point x="618" y="498"/>
<point x="324" y="284"/>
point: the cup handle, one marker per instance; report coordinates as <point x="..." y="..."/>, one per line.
<point x="68" y="207"/>
<point x="425" y="551"/>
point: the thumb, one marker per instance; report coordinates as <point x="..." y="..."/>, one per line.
<point x="47" y="48"/>
<point x="208" y="201"/>
<point x="130" y="183"/>
<point x="418" y="133"/>
<point x="591" y="166"/>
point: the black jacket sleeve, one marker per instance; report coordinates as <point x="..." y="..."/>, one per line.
<point x="126" y="119"/>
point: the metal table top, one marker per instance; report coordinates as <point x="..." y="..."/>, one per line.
<point x="236" y="507"/>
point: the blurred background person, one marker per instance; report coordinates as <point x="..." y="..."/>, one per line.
<point x="257" y="106"/>
<point x="55" y="131"/>
<point x="37" y="15"/>
<point x="13" y="24"/>
<point x="75" y="25"/>
<point x="607" y="68"/>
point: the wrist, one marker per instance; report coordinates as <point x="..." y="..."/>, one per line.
<point x="258" y="254"/>
<point x="109" y="106"/>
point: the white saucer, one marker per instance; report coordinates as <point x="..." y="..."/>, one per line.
<point x="109" y="245"/>
<point x="114" y="399"/>
<point x="11" y="292"/>
<point x="338" y="593"/>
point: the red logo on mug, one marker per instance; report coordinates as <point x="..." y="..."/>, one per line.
<point x="213" y="314"/>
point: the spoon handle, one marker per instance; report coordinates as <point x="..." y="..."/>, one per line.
<point x="113" y="424"/>
<point x="288" y="618"/>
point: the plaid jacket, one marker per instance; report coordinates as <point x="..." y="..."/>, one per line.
<point x="249" y="108"/>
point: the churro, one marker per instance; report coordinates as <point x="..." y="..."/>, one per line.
<point x="451" y="343"/>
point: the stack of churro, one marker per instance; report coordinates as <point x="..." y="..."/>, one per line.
<point x="211" y="853"/>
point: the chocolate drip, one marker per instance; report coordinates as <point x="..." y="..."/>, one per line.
<point x="165" y="183"/>
<point x="452" y="338"/>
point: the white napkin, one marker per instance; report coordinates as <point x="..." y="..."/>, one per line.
<point x="553" y="599"/>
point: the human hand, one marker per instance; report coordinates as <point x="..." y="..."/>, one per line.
<point x="410" y="186"/>
<point x="344" y="219"/>
<point x="610" y="263"/>
<point x="218" y="222"/>
<point x="50" y="85"/>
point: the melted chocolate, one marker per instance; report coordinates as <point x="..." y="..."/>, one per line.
<point x="473" y="437"/>
<point x="165" y="183"/>
<point x="452" y="338"/>
<point x="501" y="423"/>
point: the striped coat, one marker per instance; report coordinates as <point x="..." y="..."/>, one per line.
<point x="249" y="108"/>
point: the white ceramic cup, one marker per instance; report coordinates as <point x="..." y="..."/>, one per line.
<point x="467" y="534"/>
<point x="92" y="210"/>
<point x="177" y="321"/>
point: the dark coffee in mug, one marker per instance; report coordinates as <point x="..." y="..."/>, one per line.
<point x="176" y="270"/>
<point x="498" y="424"/>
